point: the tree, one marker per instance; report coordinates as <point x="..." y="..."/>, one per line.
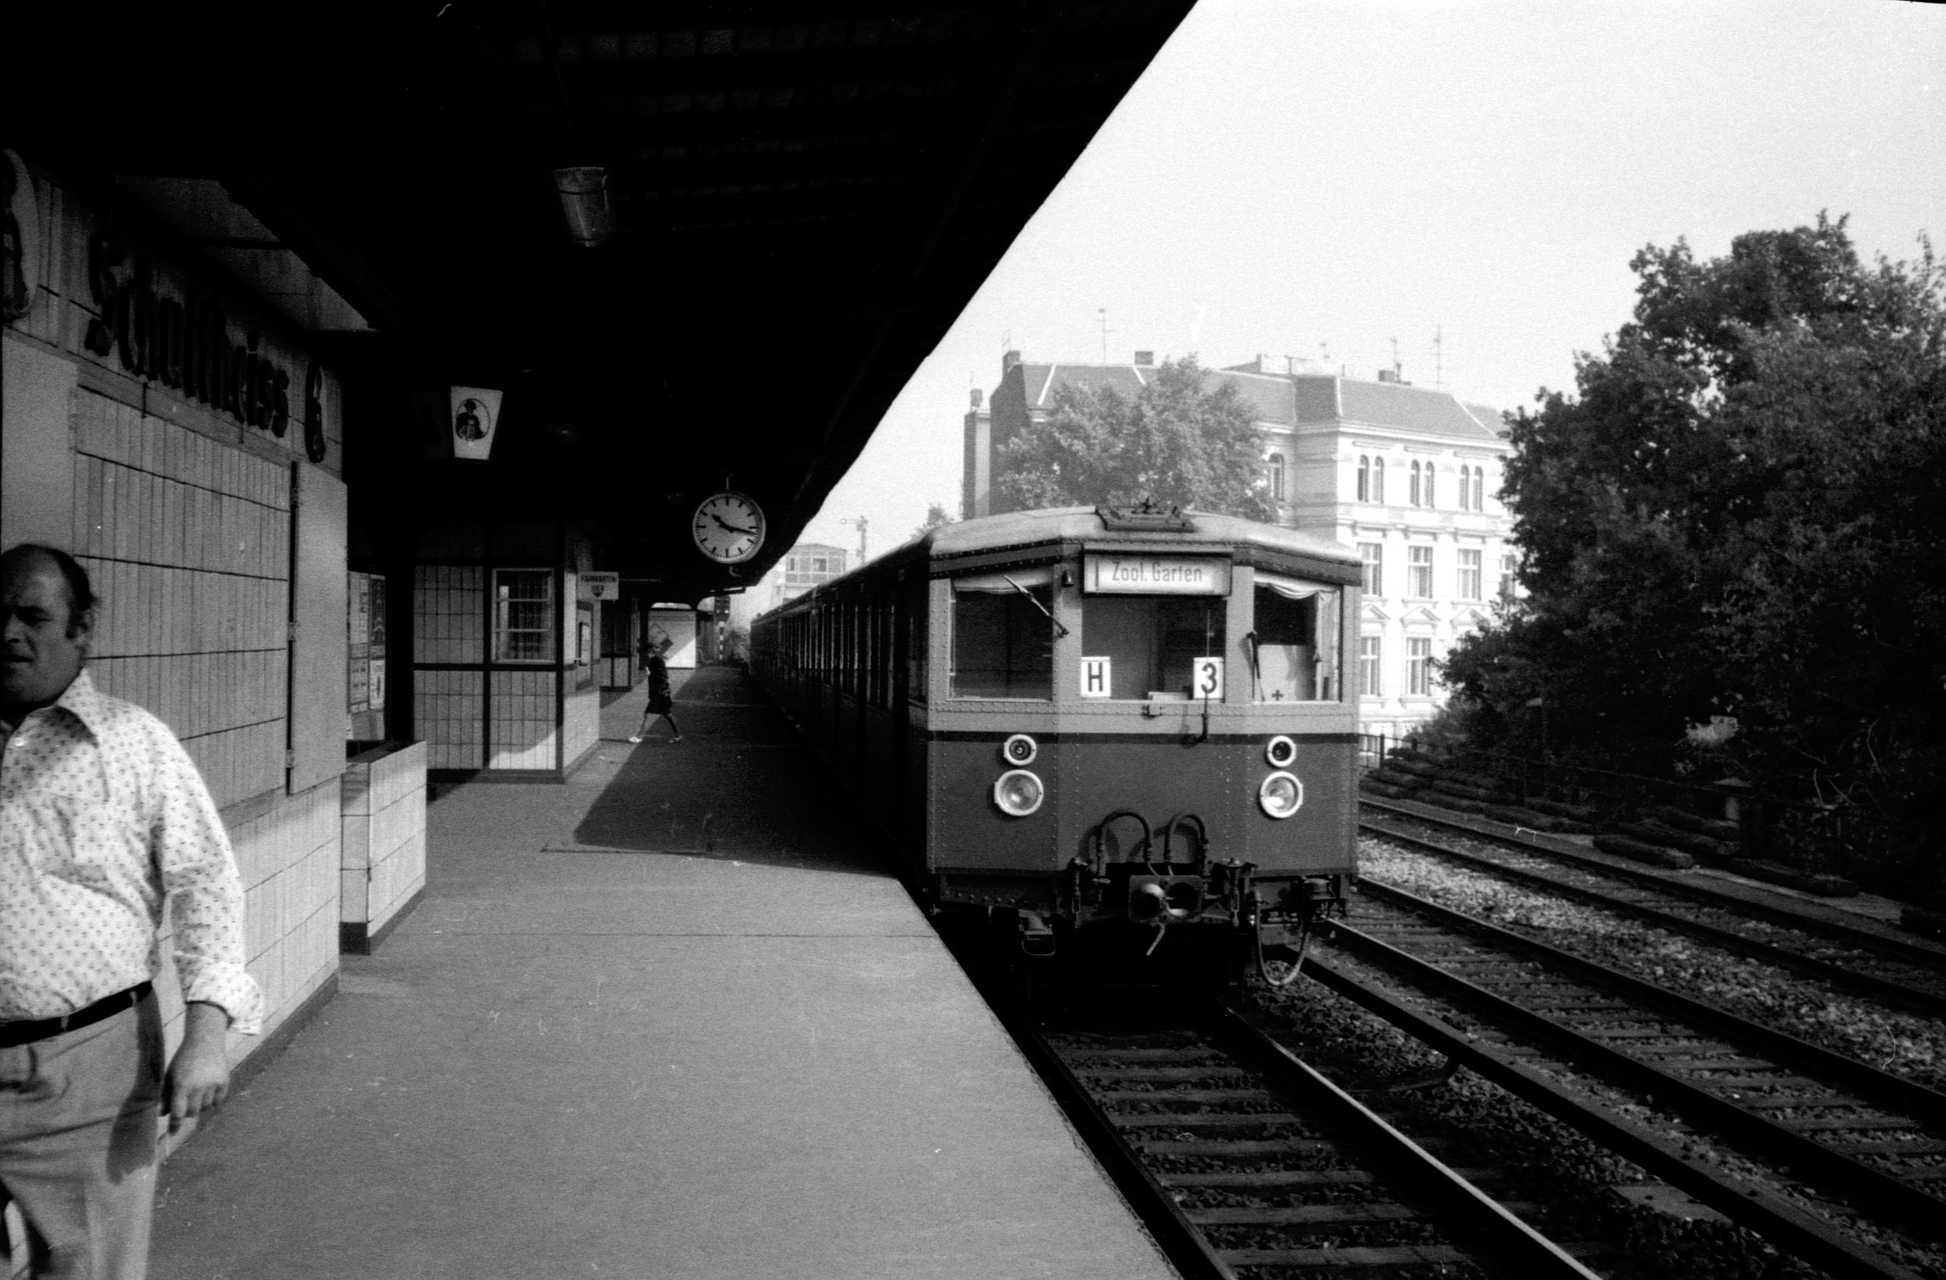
<point x="935" y="517"/>
<point x="1173" y="441"/>
<point x="1741" y="513"/>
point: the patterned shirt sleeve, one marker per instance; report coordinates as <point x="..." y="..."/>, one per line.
<point x="199" y="877"/>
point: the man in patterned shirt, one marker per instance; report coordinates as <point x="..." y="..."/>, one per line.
<point x="102" y="817"/>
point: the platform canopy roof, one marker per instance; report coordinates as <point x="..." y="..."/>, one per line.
<point x="802" y="198"/>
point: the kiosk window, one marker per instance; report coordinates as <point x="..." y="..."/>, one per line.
<point x="1003" y="635"/>
<point x="523" y="615"/>
<point x="1294" y="656"/>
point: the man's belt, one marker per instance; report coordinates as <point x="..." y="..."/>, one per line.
<point x="18" y="1033"/>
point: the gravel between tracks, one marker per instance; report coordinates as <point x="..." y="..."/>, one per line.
<point x="1891" y="1039"/>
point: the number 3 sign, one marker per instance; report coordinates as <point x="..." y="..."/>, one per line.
<point x="1207" y="679"/>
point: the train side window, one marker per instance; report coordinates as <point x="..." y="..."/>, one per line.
<point x="1294" y="649"/>
<point x="1152" y="641"/>
<point x="1003" y="635"/>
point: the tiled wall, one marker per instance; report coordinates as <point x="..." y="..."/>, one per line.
<point x="188" y="544"/>
<point x="523" y="720"/>
<point x="446" y="614"/>
<point x="384" y="815"/>
<point x="446" y="711"/>
<point x="289" y="858"/>
<point x="581" y="727"/>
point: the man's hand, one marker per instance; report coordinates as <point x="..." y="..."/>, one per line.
<point x="199" y="1074"/>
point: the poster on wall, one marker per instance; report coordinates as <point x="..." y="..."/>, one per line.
<point x="365" y="650"/>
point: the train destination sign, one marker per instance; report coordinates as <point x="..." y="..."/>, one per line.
<point x="1153" y="575"/>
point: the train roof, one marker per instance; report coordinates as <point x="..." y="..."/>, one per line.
<point x="981" y="538"/>
<point x="1087" y="524"/>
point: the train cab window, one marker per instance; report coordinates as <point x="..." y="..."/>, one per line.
<point x="1293" y="643"/>
<point x="1151" y="641"/>
<point x="1003" y="635"/>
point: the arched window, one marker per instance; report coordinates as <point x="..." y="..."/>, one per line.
<point x="1364" y="478"/>
<point x="1479" y="488"/>
<point x="1430" y="501"/>
<point x="1277" y="477"/>
<point x="1412" y="492"/>
<point x="1378" y="479"/>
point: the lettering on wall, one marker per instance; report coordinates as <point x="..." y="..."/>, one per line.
<point x="185" y="343"/>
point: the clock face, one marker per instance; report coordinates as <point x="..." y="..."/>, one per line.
<point x="728" y="528"/>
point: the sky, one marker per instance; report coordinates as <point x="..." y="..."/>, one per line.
<point x="1318" y="178"/>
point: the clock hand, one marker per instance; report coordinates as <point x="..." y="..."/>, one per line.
<point x="733" y="528"/>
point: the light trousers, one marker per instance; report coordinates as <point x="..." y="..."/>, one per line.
<point x="78" y="1142"/>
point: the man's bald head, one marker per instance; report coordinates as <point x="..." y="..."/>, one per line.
<point x="31" y="555"/>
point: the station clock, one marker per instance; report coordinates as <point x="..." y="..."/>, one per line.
<point x="728" y="527"/>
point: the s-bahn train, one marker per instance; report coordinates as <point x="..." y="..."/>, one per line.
<point x="1091" y="722"/>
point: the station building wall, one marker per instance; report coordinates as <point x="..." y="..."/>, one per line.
<point x="171" y="466"/>
<point x="505" y="649"/>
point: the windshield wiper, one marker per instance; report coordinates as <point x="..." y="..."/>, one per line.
<point x="1038" y="605"/>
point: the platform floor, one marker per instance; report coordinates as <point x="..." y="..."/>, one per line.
<point x="667" y="1020"/>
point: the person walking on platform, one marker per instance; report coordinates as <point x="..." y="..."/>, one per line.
<point x="661" y="701"/>
<point x="102" y="817"/>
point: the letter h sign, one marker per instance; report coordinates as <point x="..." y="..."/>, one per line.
<point x="1097" y="679"/>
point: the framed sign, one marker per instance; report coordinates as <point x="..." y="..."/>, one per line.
<point x="1097" y="677"/>
<point x="1116" y="574"/>
<point x="1206" y="679"/>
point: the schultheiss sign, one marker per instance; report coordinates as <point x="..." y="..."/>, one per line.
<point x="1154" y="575"/>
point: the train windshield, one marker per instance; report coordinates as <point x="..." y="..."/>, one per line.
<point x="1294" y="648"/>
<point x="1003" y="635"/>
<point x="1151" y="642"/>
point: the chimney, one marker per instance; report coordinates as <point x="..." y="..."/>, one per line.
<point x="1145" y="358"/>
<point x="976" y="397"/>
<point x="1008" y="361"/>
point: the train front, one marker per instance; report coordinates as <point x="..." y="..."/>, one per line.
<point x="1140" y="727"/>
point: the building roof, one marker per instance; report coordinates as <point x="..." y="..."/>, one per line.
<point x="1282" y="400"/>
<point x="1390" y="404"/>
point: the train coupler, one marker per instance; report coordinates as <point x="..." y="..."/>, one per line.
<point x="1036" y="935"/>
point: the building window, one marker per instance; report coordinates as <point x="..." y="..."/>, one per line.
<point x="1277" y="477"/>
<point x="1479" y="488"/>
<point x="1419" y="572"/>
<point x="1469" y="574"/>
<point x="1507" y="578"/>
<point x="1418" y="666"/>
<point x="1369" y="679"/>
<point x="523" y="615"/>
<point x="1378" y="479"/>
<point x="1373" y="554"/>
<point x="1427" y="493"/>
<point x="1364" y="478"/>
<point x="1412" y="491"/>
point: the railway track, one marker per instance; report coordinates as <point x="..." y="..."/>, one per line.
<point x="1871" y="961"/>
<point x="1844" y="967"/>
<point x="1865" y="1139"/>
<point x="1246" y="1161"/>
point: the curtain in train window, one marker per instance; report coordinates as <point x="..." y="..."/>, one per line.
<point x="1003" y="635"/>
<point x="1294" y="649"/>
<point x="1151" y="641"/>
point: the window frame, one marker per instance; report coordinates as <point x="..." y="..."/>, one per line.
<point x="1277" y="478"/>
<point x="1371" y="666"/>
<point x="1471" y="575"/>
<point x="1372" y="578"/>
<point x="1418" y="571"/>
<point x="1418" y="666"/>
<point x="550" y="641"/>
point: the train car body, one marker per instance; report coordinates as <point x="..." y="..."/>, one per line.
<point x="1089" y="718"/>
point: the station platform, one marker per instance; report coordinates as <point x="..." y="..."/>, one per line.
<point x="670" y="1019"/>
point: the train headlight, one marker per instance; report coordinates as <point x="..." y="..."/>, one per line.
<point x="1281" y="795"/>
<point x="1281" y="752"/>
<point x="1019" y="750"/>
<point x="1018" y="793"/>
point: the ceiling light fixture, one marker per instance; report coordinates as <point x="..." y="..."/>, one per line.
<point x="584" y="203"/>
